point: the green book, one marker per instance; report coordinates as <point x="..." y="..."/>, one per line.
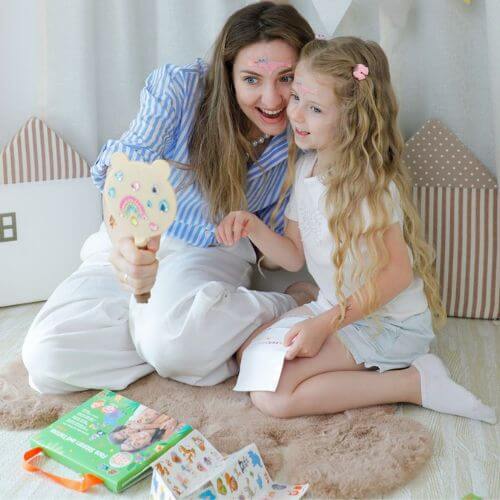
<point x="111" y="437"/>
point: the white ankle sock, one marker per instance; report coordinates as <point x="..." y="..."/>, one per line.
<point x="440" y="393"/>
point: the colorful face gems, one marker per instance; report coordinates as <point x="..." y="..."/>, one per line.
<point x="154" y="189"/>
<point x="149" y="204"/>
<point x="132" y="209"/>
<point x="163" y="206"/>
<point x="267" y="66"/>
<point x="112" y="222"/>
<point x="119" y="176"/>
<point x="153" y="226"/>
<point x="135" y="186"/>
<point x="111" y="192"/>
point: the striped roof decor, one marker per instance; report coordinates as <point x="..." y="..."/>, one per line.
<point x="457" y="198"/>
<point x="36" y="153"/>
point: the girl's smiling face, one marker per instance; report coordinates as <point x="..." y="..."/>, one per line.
<point x="262" y="76"/>
<point x="312" y="109"/>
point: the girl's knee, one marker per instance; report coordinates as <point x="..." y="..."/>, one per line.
<point x="273" y="404"/>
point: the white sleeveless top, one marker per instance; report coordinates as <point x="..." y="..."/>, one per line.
<point x="306" y="207"/>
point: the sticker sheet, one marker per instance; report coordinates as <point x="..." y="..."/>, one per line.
<point x="194" y="469"/>
<point x="244" y="476"/>
<point x="189" y="464"/>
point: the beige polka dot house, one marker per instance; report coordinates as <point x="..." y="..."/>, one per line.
<point x="458" y="201"/>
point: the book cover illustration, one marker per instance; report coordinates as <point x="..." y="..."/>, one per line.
<point x="111" y="437"/>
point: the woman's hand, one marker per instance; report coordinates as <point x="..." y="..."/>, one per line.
<point x="135" y="268"/>
<point x="234" y="226"/>
<point x="307" y="338"/>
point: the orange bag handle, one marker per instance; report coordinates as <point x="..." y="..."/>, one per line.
<point x="87" y="482"/>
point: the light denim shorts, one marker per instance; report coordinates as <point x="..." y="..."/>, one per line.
<point x="395" y="344"/>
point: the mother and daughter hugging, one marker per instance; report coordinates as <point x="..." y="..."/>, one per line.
<point x="286" y="146"/>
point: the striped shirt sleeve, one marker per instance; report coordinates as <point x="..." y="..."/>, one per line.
<point x="153" y="129"/>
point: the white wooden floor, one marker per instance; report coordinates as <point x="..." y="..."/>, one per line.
<point x="466" y="452"/>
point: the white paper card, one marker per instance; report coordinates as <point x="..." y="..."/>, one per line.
<point x="262" y="362"/>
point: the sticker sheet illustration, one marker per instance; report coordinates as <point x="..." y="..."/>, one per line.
<point x="241" y="475"/>
<point x="139" y="200"/>
<point x="253" y="479"/>
<point x="184" y="468"/>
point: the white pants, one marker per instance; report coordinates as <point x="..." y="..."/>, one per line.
<point x="92" y="334"/>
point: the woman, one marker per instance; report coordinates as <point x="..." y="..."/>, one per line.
<point x="226" y="124"/>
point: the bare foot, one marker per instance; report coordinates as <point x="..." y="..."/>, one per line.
<point x="303" y="292"/>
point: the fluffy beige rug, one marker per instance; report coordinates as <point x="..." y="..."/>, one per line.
<point x="359" y="453"/>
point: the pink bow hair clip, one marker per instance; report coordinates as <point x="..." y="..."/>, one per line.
<point x="360" y="71"/>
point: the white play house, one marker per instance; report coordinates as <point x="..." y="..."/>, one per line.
<point x="48" y="206"/>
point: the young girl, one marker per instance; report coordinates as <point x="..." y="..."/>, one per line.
<point x="351" y="220"/>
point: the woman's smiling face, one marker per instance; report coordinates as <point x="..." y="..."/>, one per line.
<point x="262" y="76"/>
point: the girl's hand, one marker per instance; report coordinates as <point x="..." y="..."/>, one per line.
<point x="307" y="338"/>
<point x="136" y="269"/>
<point x="234" y="226"/>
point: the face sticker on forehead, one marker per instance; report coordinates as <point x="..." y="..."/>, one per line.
<point x="269" y="67"/>
<point x="303" y="89"/>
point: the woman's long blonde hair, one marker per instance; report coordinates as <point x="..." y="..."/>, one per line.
<point x="219" y="148"/>
<point x="368" y="156"/>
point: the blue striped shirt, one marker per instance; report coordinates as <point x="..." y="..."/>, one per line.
<point x="162" y="129"/>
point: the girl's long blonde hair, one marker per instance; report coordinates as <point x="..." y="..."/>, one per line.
<point x="368" y="156"/>
<point x="219" y="148"/>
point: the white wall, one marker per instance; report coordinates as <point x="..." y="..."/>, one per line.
<point x="80" y="65"/>
<point x="440" y="64"/>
